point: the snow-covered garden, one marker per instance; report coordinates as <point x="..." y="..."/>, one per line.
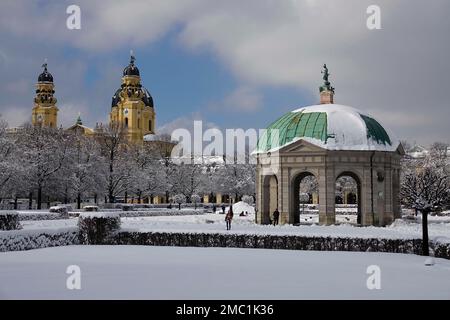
<point x="142" y="272"/>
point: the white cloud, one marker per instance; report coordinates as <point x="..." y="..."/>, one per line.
<point x="402" y="68"/>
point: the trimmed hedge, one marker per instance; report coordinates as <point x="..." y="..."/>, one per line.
<point x="9" y="221"/>
<point x="35" y="239"/>
<point x="287" y="242"/>
<point x="97" y="228"/>
<point x="441" y="250"/>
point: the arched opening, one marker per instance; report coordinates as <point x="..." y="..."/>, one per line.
<point x="348" y="198"/>
<point x="139" y="123"/>
<point x="149" y="125"/>
<point x="270" y="198"/>
<point x="126" y="122"/>
<point x="304" y="191"/>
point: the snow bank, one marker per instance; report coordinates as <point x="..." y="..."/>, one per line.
<point x="238" y="207"/>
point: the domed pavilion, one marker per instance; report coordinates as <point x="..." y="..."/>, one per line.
<point x="328" y="141"/>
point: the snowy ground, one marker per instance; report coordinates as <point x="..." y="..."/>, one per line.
<point x="139" y="272"/>
<point x="439" y="227"/>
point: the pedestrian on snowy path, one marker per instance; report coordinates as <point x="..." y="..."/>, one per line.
<point x="276" y="216"/>
<point x="229" y="217"/>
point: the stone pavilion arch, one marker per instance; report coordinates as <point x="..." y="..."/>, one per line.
<point x="358" y="197"/>
<point x="295" y="181"/>
<point x="329" y="141"/>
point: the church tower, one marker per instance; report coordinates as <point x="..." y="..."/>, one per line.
<point x="45" y="112"/>
<point x="132" y="106"/>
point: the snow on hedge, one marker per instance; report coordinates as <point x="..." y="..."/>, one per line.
<point x="97" y="227"/>
<point x="93" y="214"/>
<point x="33" y="239"/>
<point x="9" y="221"/>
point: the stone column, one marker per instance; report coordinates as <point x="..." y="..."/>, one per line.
<point x="327" y="199"/>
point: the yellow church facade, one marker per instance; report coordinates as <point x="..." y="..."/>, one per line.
<point x="132" y="106"/>
<point x="132" y="109"/>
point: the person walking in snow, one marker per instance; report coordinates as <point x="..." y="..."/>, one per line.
<point x="276" y="216"/>
<point x="223" y="209"/>
<point x="229" y="217"/>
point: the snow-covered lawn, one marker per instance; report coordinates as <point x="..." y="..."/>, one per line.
<point x="140" y="272"/>
<point x="439" y="227"/>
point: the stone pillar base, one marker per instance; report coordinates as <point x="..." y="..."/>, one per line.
<point x="327" y="219"/>
<point x="367" y="219"/>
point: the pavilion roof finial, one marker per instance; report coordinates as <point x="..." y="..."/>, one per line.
<point x="326" y="90"/>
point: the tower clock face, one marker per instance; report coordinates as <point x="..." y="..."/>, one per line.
<point x="39" y="117"/>
<point x="125" y="111"/>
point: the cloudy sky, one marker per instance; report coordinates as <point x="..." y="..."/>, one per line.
<point x="234" y="63"/>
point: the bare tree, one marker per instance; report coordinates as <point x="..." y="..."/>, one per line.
<point x="426" y="188"/>
<point x="113" y="149"/>
<point x="44" y="151"/>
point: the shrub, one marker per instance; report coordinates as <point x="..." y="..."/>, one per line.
<point x="127" y="207"/>
<point x="98" y="228"/>
<point x="61" y="210"/>
<point x="9" y="221"/>
<point x="90" y="208"/>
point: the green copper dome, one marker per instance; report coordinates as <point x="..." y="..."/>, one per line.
<point x="329" y="126"/>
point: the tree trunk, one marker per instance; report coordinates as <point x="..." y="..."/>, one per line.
<point x="15" y="203"/>
<point x="139" y="196"/>
<point x="30" y="201"/>
<point x="179" y="206"/>
<point x="48" y="202"/>
<point x="78" y="201"/>
<point x="95" y="198"/>
<point x="425" y="245"/>
<point x="39" y="198"/>
<point x="195" y="205"/>
<point x="126" y="197"/>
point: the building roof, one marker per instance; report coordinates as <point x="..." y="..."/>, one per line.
<point x="329" y="126"/>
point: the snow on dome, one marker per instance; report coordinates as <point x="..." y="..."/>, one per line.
<point x="329" y="126"/>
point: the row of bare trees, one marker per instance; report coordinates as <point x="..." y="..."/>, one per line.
<point x="48" y="164"/>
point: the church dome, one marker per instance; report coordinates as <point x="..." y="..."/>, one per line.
<point x="146" y="97"/>
<point x="131" y="69"/>
<point x="45" y="76"/>
<point x="329" y="126"/>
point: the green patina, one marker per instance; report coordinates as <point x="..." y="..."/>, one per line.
<point x="291" y="126"/>
<point x="375" y="130"/>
